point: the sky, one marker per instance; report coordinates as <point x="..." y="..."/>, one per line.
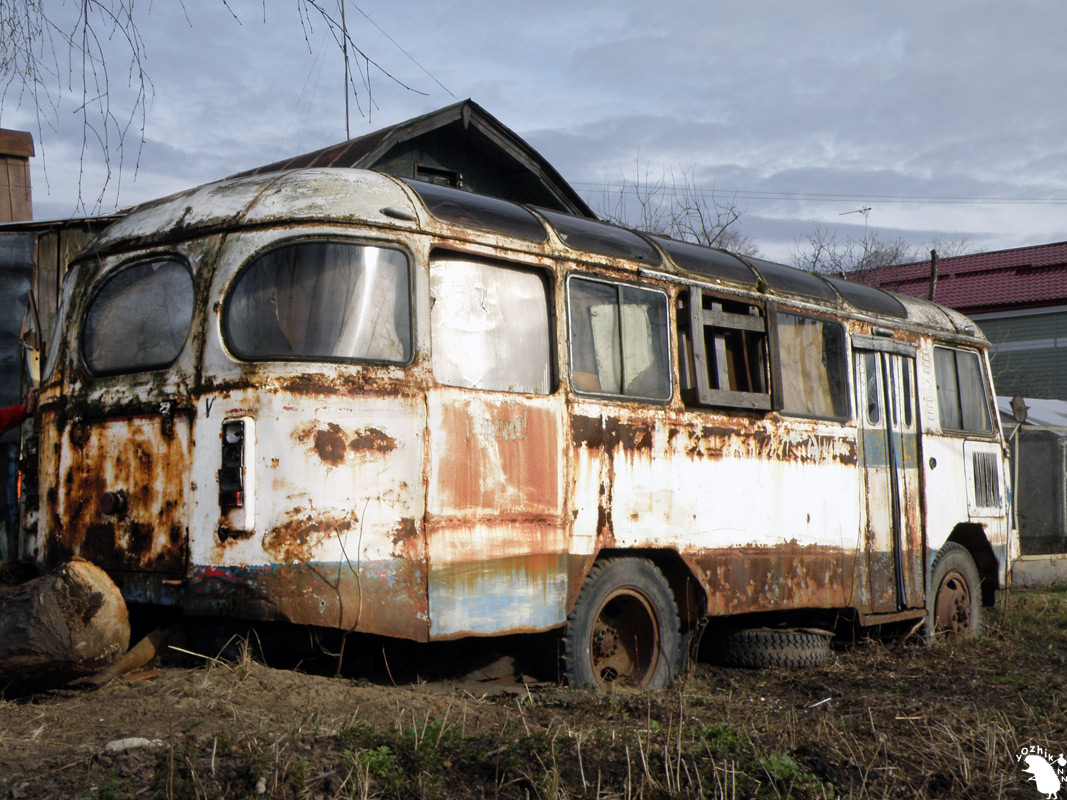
<point x="945" y="119"/>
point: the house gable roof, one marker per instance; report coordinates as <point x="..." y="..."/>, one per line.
<point x="1024" y="277"/>
<point x="462" y="138"/>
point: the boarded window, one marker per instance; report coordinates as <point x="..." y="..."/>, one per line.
<point x="813" y="368"/>
<point x="322" y="300"/>
<point x="618" y="340"/>
<point x="491" y="327"/>
<point x="961" y="396"/>
<point x="140" y="318"/>
<point x="722" y="349"/>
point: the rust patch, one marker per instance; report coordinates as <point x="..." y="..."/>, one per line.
<point x="330" y="444"/>
<point x="754" y="579"/>
<point x="129" y="454"/>
<point x="758" y="442"/>
<point x="333" y="443"/>
<point x="79" y="434"/>
<point x="609" y="433"/>
<point x="372" y="439"/>
<point x="364" y="382"/>
<point x="297" y="539"/>
<point x="387" y="597"/>
<point x="407" y="531"/>
<point x="497" y="455"/>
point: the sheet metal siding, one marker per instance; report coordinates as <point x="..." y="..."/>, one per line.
<point x="497" y="540"/>
<point x="649" y="480"/>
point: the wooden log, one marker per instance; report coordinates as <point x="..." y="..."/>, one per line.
<point x="64" y="625"/>
<point x="139" y="655"/>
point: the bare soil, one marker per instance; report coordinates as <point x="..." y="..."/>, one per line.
<point x="886" y="718"/>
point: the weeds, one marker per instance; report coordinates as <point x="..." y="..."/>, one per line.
<point x="886" y="719"/>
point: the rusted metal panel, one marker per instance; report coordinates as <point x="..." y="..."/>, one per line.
<point x="496" y="538"/>
<point x="144" y="460"/>
<point x="335" y="536"/>
<point x="789" y="575"/>
<point x="491" y="453"/>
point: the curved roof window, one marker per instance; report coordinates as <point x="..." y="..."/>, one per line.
<point x="479" y="211"/>
<point x="706" y="261"/>
<point x="793" y="281"/>
<point x="139" y="319"/>
<point x="601" y="238"/>
<point x="868" y="298"/>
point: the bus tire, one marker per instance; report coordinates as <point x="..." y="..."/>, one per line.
<point x="954" y="603"/>
<point x="757" y="648"/>
<point x="624" y="629"/>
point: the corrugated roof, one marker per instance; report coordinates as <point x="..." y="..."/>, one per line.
<point x="1025" y="277"/>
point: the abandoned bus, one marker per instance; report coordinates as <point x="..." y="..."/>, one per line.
<point x="338" y="398"/>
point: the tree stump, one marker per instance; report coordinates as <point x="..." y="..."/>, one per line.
<point x="64" y="625"/>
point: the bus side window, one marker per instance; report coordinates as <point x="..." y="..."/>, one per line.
<point x="618" y="340"/>
<point x="961" y="395"/>
<point x="811" y="355"/>
<point x="873" y="393"/>
<point x="722" y="348"/>
<point x="490" y="327"/>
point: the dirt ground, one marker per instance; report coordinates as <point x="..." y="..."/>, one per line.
<point x="886" y="718"/>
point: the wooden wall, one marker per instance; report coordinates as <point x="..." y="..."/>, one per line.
<point x="16" y="200"/>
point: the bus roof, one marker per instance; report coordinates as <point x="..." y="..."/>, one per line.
<point x="345" y="196"/>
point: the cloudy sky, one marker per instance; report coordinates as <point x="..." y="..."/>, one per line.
<point x="945" y="118"/>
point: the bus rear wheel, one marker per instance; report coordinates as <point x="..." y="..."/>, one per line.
<point x="954" y="606"/>
<point x="623" y="631"/>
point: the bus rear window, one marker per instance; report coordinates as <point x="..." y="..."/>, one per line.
<point x="140" y="318"/>
<point x="322" y="300"/>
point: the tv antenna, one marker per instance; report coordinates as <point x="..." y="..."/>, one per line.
<point x="866" y="211"/>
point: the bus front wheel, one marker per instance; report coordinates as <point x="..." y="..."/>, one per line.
<point x="954" y="605"/>
<point x="624" y="629"/>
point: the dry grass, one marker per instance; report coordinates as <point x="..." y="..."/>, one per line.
<point x="885" y="719"/>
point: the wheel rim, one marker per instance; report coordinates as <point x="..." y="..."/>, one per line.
<point x="624" y="643"/>
<point x="953" y="611"/>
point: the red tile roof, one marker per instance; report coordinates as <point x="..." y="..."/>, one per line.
<point x="1026" y="277"/>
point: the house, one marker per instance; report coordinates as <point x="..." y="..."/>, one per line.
<point x="1019" y="299"/>
<point x="461" y="145"/>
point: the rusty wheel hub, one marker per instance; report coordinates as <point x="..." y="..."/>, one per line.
<point x="624" y="643"/>
<point x="605" y="642"/>
<point x="953" y="610"/>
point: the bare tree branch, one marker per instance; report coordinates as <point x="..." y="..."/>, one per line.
<point x="669" y="204"/>
<point x="46" y="57"/>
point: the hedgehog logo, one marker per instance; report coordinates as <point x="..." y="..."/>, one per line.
<point x="1048" y="773"/>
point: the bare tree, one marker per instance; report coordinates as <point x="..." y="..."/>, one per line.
<point x="949" y="246"/>
<point x="822" y="251"/>
<point x="669" y="204"/>
<point x="46" y="56"/>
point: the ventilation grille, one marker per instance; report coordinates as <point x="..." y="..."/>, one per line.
<point x="986" y="472"/>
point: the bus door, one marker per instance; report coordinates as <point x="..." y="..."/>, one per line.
<point x="889" y="456"/>
<point x="496" y="537"/>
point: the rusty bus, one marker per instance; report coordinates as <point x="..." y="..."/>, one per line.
<point x="342" y="399"/>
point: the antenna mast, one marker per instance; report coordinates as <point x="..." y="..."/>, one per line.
<point x="344" y="52"/>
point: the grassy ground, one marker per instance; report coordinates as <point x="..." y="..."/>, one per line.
<point x="885" y="719"/>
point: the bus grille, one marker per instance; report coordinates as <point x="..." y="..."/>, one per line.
<point x="986" y="480"/>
